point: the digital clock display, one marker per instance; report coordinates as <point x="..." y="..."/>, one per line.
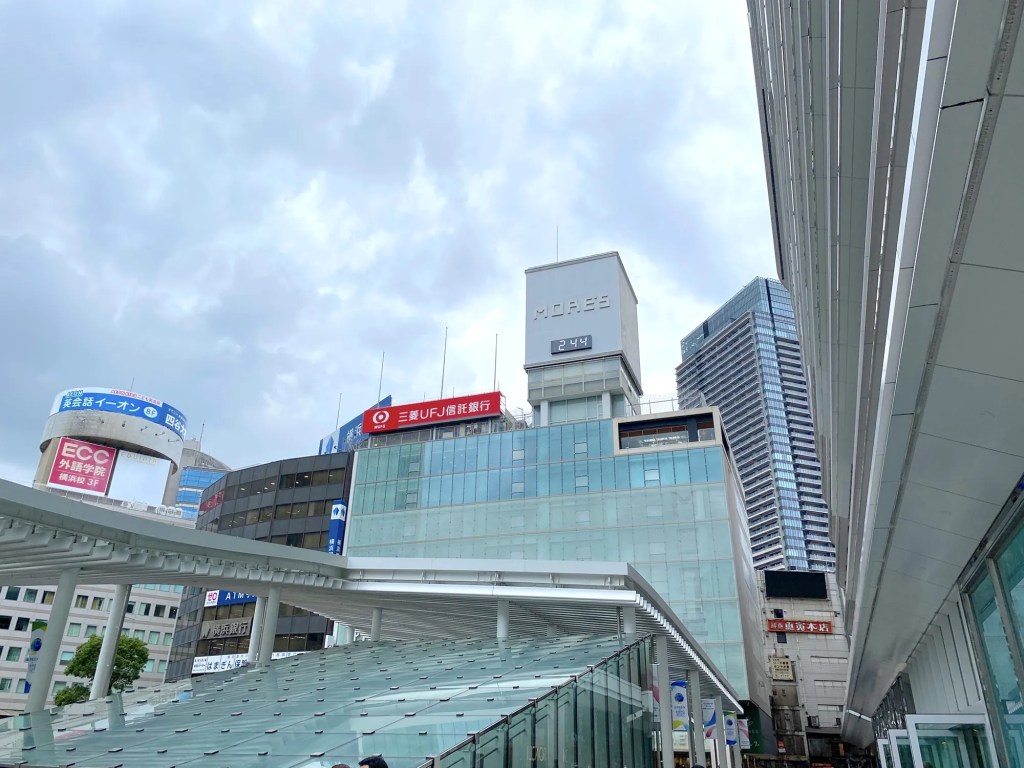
<point x="572" y="344"/>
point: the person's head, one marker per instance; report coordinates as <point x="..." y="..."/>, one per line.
<point x="375" y="761"/>
<point x="340" y="765"/>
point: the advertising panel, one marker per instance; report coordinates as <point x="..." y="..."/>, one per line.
<point x="82" y="466"/>
<point x="707" y="708"/>
<point x="202" y="665"/>
<point x="35" y="644"/>
<point x="432" y="412"/>
<point x="680" y="710"/>
<point x="743" y="726"/>
<point x="782" y="668"/>
<point x="216" y="597"/>
<point x="123" y="402"/>
<point x="336" y="530"/>
<point x="350" y="434"/>
<point x="803" y="627"/>
<point x="731" y="730"/>
<point x="225" y="628"/>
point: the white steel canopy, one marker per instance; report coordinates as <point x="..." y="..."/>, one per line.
<point x="43" y="534"/>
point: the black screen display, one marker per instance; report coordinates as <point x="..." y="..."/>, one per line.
<point x="795" y="584"/>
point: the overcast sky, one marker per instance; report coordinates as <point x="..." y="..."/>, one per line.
<point x="239" y="206"/>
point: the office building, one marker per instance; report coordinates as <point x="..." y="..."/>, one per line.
<point x="806" y="655"/>
<point x="184" y="488"/>
<point x="745" y="359"/>
<point x="893" y="142"/>
<point x="89" y="434"/>
<point x="589" y="480"/>
<point x="282" y="502"/>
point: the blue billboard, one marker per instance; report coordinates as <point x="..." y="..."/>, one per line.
<point x="350" y="434"/>
<point x="123" y="402"/>
<point x="336" y="531"/>
<point x="227" y="597"/>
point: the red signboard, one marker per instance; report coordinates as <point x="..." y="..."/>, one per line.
<point x="82" y="466"/>
<point x="806" y="627"/>
<point x="432" y="412"/>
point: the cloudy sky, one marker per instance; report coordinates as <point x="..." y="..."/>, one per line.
<point x="239" y="206"/>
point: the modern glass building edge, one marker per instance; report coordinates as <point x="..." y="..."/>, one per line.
<point x="421" y="599"/>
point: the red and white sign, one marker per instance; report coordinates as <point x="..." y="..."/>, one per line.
<point x="805" y="627"/>
<point x="82" y="466"/>
<point x="432" y="412"/>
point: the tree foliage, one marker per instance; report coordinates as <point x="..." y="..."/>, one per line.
<point x="73" y="694"/>
<point x="131" y="656"/>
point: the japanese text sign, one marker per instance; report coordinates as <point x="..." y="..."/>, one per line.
<point x="432" y="412"/>
<point x="82" y="466"/>
<point x="225" y="628"/>
<point x="805" y="627"/>
<point x="123" y="402"/>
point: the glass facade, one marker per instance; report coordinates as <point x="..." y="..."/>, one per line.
<point x="566" y="492"/>
<point x="284" y="502"/>
<point x="746" y="360"/>
<point x="191" y="484"/>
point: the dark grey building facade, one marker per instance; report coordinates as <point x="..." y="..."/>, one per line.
<point x="283" y="502"/>
<point x="745" y="359"/>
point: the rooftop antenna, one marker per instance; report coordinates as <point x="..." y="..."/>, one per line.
<point x="444" y="359"/>
<point x="495" y="385"/>
<point x="131" y="387"/>
<point x="202" y="429"/>
<point x="337" y="419"/>
<point x="556" y="243"/>
<point x="380" y="383"/>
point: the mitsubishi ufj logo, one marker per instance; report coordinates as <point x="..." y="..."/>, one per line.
<point x="381" y="417"/>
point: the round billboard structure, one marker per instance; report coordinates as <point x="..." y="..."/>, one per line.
<point x="84" y="422"/>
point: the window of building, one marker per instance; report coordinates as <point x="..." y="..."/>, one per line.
<point x="13" y="592"/>
<point x="159" y="610"/>
<point x="30" y="595"/>
<point x="149" y="666"/>
<point x="145" y="608"/>
<point x="161" y="666"/>
<point x="66" y="656"/>
<point x="13" y="653"/>
<point x="6" y="683"/>
<point x="129" y="608"/>
<point x="125" y="632"/>
<point x="90" y="630"/>
<point x="780" y="637"/>
<point x="97" y="603"/>
<point x="48" y="597"/>
<point x="5" y="622"/>
<point x="59" y="686"/>
<point x="173" y="612"/>
<point x="21" y="625"/>
<point x="22" y="685"/>
<point x="168" y="638"/>
<point x="81" y="601"/>
<point x="74" y="629"/>
<point x="139" y="634"/>
<point x="154" y="638"/>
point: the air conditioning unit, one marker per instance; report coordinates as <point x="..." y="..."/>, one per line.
<point x="814" y="721"/>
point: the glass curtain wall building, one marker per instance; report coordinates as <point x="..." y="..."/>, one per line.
<point x="283" y="502"/>
<point x="745" y="359"/>
<point x="660" y="493"/>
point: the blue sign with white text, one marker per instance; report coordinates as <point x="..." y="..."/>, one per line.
<point x="123" y="402"/>
<point x="227" y="597"/>
<point x="336" y="531"/>
<point x="350" y="434"/>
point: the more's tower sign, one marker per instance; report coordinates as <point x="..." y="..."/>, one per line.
<point x="582" y="339"/>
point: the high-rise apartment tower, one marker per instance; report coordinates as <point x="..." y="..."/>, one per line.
<point x="745" y="359"/>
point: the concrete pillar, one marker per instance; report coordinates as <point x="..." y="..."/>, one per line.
<point x="628" y="613"/>
<point x="698" y="748"/>
<point x="55" y="627"/>
<point x="545" y="416"/>
<point x="503" y="619"/>
<point x="375" y="621"/>
<point x="723" y="750"/>
<point x="256" y="629"/>
<point x="664" y="701"/>
<point x="273" y="605"/>
<point x="105" y="664"/>
<point x="606" y="405"/>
